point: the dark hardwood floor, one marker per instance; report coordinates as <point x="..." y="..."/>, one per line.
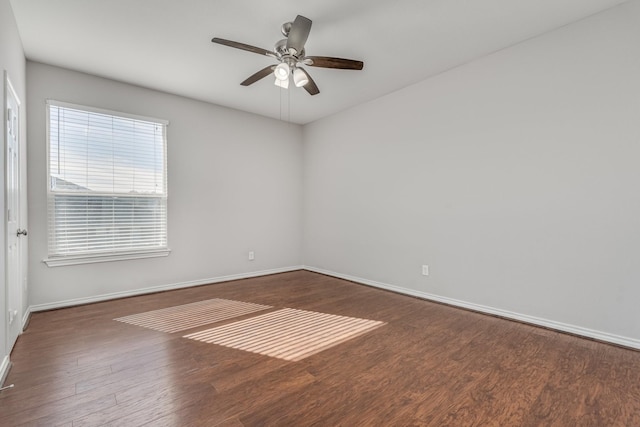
<point x="430" y="365"/>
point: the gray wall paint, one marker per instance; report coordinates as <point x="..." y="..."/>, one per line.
<point x="12" y="60"/>
<point x="234" y="186"/>
<point x="515" y="177"/>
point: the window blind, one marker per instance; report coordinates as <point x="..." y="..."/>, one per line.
<point x="107" y="190"/>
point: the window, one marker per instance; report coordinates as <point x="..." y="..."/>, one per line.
<point x="107" y="192"/>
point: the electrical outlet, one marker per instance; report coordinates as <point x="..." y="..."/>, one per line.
<point x="251" y="256"/>
<point x="425" y="270"/>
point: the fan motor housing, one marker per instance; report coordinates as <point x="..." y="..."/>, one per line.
<point x="281" y="48"/>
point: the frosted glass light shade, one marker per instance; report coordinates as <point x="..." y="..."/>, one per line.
<point x="282" y="71"/>
<point x="284" y="84"/>
<point x="300" y="77"/>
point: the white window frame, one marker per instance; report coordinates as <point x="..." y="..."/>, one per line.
<point x="62" y="260"/>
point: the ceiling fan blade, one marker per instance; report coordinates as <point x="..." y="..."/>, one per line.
<point x="329" y="62"/>
<point x="299" y="33"/>
<point x="243" y="46"/>
<point x="310" y="87"/>
<point x="259" y="75"/>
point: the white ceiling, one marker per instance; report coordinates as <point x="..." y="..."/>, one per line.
<point x="165" y="44"/>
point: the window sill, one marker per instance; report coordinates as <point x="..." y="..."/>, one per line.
<point x="90" y="259"/>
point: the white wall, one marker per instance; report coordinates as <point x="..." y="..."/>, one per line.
<point x="234" y="185"/>
<point x="11" y="60"/>
<point x="514" y="177"/>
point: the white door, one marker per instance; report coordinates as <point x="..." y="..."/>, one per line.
<point x="14" y="233"/>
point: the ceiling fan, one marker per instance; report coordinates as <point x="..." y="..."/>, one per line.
<point x="291" y="56"/>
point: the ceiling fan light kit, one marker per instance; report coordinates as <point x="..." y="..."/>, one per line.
<point x="290" y="54"/>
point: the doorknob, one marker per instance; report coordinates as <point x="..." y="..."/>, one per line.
<point x="23" y="232"/>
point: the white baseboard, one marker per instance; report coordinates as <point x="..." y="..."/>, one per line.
<point x="153" y="289"/>
<point x="537" y="321"/>
<point x="25" y="318"/>
<point x="4" y="369"/>
<point x="551" y="324"/>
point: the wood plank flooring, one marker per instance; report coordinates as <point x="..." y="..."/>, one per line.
<point x="430" y="365"/>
